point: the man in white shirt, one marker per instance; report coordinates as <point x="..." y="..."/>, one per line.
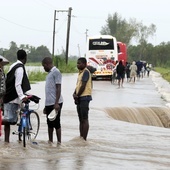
<point x="17" y="84"/>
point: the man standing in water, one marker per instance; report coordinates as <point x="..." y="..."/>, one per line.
<point x="120" y="69"/>
<point x="82" y="96"/>
<point x="53" y="98"/>
<point x="17" y="84"/>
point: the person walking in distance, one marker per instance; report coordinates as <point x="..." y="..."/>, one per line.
<point x="133" y="71"/>
<point x="82" y="96"/>
<point x="53" y="98"/>
<point x="127" y="71"/>
<point x="17" y="84"/>
<point x="120" y="69"/>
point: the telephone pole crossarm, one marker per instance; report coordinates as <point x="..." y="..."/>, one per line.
<point x="62" y="10"/>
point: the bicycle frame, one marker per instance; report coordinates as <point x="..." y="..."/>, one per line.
<point x="29" y="121"/>
<point x="24" y="122"/>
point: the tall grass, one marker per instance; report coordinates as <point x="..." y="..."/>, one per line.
<point x="70" y="67"/>
<point x="34" y="64"/>
<point x="165" y="72"/>
<point x="36" y="75"/>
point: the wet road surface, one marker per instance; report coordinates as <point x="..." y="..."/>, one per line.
<point x="111" y="144"/>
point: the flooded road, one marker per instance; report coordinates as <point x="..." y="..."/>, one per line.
<point x="127" y="130"/>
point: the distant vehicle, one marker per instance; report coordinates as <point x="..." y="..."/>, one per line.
<point x="122" y="52"/>
<point x="102" y="53"/>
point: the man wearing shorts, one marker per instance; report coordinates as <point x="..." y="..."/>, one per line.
<point x="82" y="96"/>
<point x="17" y="84"/>
<point x="53" y="98"/>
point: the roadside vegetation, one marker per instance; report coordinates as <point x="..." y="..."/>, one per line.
<point x="165" y="72"/>
<point x="35" y="76"/>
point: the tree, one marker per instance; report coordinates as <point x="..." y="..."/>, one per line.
<point x="26" y="47"/>
<point x="162" y="54"/>
<point x="34" y="54"/>
<point x="37" y="54"/>
<point x="127" y="31"/>
<point x="142" y="36"/>
<point x="120" y="28"/>
<point x="11" y="53"/>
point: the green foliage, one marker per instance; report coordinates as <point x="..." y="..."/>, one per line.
<point x="134" y="53"/>
<point x="60" y="62"/>
<point x="37" y="55"/>
<point x="33" y="64"/>
<point x="125" y="31"/>
<point x="33" y="54"/>
<point x="158" y="55"/>
<point x="35" y="76"/>
<point x="11" y="53"/>
<point x="165" y="72"/>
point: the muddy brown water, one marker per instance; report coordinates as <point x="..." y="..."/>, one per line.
<point x="129" y="130"/>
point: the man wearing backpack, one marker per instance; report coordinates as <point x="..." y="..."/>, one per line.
<point x="17" y="84"/>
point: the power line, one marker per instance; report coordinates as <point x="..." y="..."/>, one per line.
<point x="23" y="25"/>
<point x="47" y="4"/>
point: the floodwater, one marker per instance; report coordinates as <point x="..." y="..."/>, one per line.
<point x="129" y="130"/>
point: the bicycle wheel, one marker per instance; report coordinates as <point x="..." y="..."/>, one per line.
<point x="19" y="128"/>
<point x="24" y="137"/>
<point x="34" y="121"/>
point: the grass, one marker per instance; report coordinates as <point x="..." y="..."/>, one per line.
<point x="165" y="72"/>
<point x="33" y="76"/>
<point x="36" y="75"/>
<point x="34" y="64"/>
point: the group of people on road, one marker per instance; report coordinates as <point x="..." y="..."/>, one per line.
<point x="131" y="71"/>
<point x="17" y="85"/>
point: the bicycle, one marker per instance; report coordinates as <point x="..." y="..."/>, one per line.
<point x="29" y="123"/>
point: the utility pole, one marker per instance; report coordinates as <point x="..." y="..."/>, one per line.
<point x="68" y="33"/>
<point x="54" y="34"/>
<point x="86" y="38"/>
<point x="79" y="50"/>
<point x="86" y="34"/>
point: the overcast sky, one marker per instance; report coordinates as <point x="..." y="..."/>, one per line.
<point x="31" y="21"/>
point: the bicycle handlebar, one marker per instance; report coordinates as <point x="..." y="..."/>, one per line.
<point x="33" y="98"/>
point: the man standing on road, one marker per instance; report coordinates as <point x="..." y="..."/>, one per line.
<point x="17" y="84"/>
<point x="82" y="96"/>
<point x="53" y="98"/>
<point x="120" y="69"/>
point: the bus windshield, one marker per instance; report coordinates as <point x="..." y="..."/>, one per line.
<point x="101" y="44"/>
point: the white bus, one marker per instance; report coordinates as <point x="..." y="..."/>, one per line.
<point x="102" y="53"/>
